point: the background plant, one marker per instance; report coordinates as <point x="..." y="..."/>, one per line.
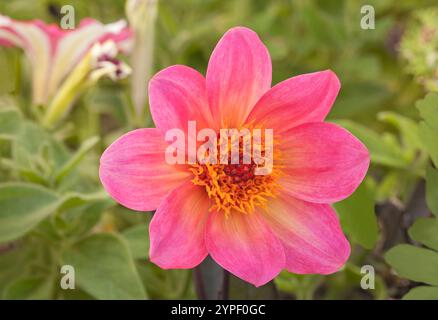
<point x="54" y="210"/>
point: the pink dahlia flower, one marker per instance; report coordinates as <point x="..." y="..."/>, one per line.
<point x="253" y="226"/>
<point x="53" y="52"/>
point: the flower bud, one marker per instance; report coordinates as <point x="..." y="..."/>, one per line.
<point x="142" y="16"/>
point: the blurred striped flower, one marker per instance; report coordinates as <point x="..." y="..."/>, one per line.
<point x="100" y="61"/>
<point x="54" y="52"/>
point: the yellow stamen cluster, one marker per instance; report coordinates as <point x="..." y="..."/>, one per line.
<point x="234" y="186"/>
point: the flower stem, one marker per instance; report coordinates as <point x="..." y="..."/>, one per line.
<point x="67" y="93"/>
<point x="211" y="281"/>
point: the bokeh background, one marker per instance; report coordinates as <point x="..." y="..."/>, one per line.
<point x="389" y="77"/>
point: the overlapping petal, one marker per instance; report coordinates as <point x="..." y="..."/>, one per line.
<point x="178" y="227"/>
<point x="177" y="95"/>
<point x="239" y="73"/>
<point x="301" y="99"/>
<point x="311" y="235"/>
<point x="134" y="172"/>
<point x="245" y="246"/>
<point x="323" y="163"/>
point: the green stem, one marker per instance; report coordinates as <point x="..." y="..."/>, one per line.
<point x="211" y="281"/>
<point x="69" y="90"/>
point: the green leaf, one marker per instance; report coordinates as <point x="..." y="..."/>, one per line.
<point x="75" y="199"/>
<point x="32" y="288"/>
<point x="14" y="264"/>
<point x="23" y="206"/>
<point x="430" y="140"/>
<point x="10" y="120"/>
<point x="71" y="164"/>
<point x="389" y="186"/>
<point x="303" y="286"/>
<point x="138" y="240"/>
<point x="322" y="28"/>
<point x="36" y="149"/>
<point x="414" y="263"/>
<point x="104" y="267"/>
<point x="83" y="218"/>
<point x="428" y="108"/>
<point x="407" y="127"/>
<point x="432" y="189"/>
<point x="384" y="149"/>
<point x="358" y="217"/>
<point x="358" y="98"/>
<point x="425" y="230"/>
<point x="346" y="284"/>
<point x="77" y="214"/>
<point x="422" y="293"/>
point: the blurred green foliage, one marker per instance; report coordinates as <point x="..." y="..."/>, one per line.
<point x="420" y="45"/>
<point x="420" y="264"/>
<point x="57" y="213"/>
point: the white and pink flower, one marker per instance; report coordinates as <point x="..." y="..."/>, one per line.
<point x="54" y="52"/>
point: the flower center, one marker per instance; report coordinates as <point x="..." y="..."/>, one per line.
<point x="234" y="186"/>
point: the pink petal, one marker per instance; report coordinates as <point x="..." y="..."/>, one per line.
<point x="301" y="99"/>
<point x="177" y="95"/>
<point x="178" y="227"/>
<point x="238" y="74"/>
<point x="243" y="245"/>
<point x="7" y="36"/>
<point x="312" y="237"/>
<point x="324" y="163"/>
<point x="120" y="33"/>
<point x="134" y="172"/>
